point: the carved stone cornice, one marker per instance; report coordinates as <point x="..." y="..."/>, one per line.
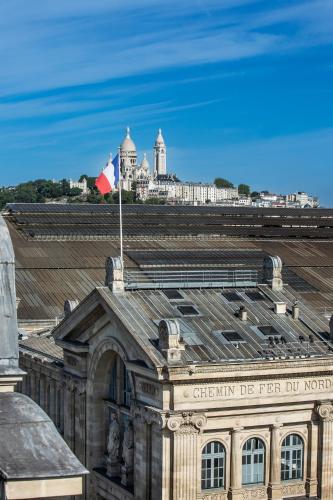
<point x="325" y="411"/>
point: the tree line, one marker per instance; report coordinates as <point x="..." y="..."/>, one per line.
<point x="42" y="190"/>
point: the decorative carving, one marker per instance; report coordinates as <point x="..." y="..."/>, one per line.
<point x="214" y="496"/>
<point x="292" y="489"/>
<point x="127" y="456"/>
<point x="128" y="447"/>
<point x="113" y="438"/>
<point x="186" y="422"/>
<point x="254" y="493"/>
<point x="148" y="416"/>
<point x="69" y="306"/>
<point x="325" y="411"/>
<point x="169" y="341"/>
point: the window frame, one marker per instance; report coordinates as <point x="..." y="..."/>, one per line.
<point x="217" y="482"/>
<point x="253" y="458"/>
<point x="292" y="451"/>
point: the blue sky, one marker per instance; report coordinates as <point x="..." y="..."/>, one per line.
<point x="241" y="88"/>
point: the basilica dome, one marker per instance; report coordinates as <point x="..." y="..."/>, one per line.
<point x="128" y="145"/>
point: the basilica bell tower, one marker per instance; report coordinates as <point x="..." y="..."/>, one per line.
<point x="159" y="155"/>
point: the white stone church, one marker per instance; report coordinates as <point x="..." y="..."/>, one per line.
<point x="130" y="168"/>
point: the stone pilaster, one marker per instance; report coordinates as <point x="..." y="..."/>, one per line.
<point x="185" y="428"/>
<point x="312" y="474"/>
<point x="69" y="414"/>
<point x="274" y="487"/>
<point x="325" y="412"/>
<point x="235" y="465"/>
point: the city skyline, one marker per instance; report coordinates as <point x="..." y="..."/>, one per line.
<point x="238" y="86"/>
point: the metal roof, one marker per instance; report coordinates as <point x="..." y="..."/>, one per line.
<point x="50" y="271"/>
<point x="203" y="331"/>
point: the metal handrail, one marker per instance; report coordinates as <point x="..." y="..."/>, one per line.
<point x="207" y="278"/>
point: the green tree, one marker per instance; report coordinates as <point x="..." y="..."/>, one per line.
<point x="75" y="192"/>
<point x="127" y="197"/>
<point x="223" y="183"/>
<point x="25" y="193"/>
<point x="244" y="189"/>
<point x="6" y="196"/>
<point x="94" y="197"/>
<point x="255" y="195"/>
<point x="90" y="181"/>
<point x="154" y="201"/>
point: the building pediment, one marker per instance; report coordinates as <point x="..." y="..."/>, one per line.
<point x="103" y="314"/>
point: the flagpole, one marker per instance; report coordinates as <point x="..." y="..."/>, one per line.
<point x="120" y="209"/>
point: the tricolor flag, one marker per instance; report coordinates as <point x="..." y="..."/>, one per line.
<point x="109" y="177"/>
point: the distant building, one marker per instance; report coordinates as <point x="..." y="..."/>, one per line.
<point x="131" y="170"/>
<point x="83" y="185"/>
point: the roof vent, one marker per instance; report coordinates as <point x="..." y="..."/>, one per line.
<point x="295" y="310"/>
<point x="242" y="313"/>
<point x="169" y="343"/>
<point x="280" y="307"/>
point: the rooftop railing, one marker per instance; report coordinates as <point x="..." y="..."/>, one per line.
<point x="154" y="279"/>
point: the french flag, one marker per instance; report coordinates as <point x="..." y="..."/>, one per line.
<point x="109" y="177"/>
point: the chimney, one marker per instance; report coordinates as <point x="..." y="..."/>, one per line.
<point x="69" y="306"/>
<point x="295" y="310"/>
<point x="242" y="314"/>
<point x="114" y="278"/>
<point x="169" y="342"/>
<point x="280" y="307"/>
<point x="273" y="272"/>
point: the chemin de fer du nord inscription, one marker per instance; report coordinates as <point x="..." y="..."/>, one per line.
<point x="259" y="389"/>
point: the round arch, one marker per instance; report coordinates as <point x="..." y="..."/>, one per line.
<point x="98" y="386"/>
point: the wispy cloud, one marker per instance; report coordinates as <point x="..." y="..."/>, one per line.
<point x="47" y="44"/>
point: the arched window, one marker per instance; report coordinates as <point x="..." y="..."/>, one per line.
<point x="253" y="460"/>
<point x="292" y="452"/>
<point x="120" y="386"/>
<point x="113" y="381"/>
<point x="213" y="466"/>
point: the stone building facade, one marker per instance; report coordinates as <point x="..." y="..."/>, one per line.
<point x="199" y="393"/>
<point x="35" y="462"/>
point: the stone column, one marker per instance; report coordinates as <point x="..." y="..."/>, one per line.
<point x="186" y="428"/>
<point x="312" y="474"/>
<point x="325" y="412"/>
<point x="236" y="464"/>
<point x="274" y="487"/>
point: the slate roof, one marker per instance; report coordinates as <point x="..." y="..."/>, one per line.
<point x="44" y="346"/>
<point x="213" y="332"/>
<point x="30" y="445"/>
